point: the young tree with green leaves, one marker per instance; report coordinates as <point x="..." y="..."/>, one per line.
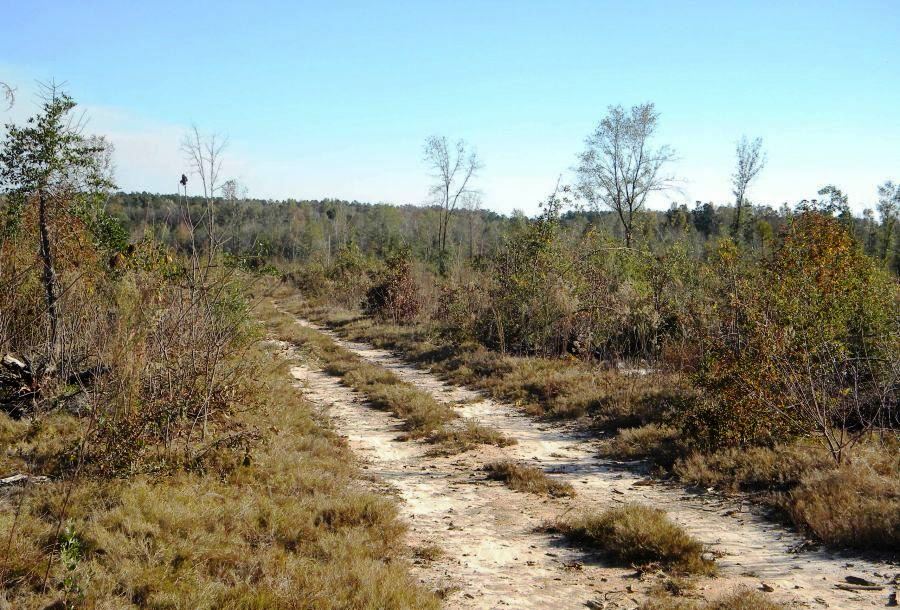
<point x="54" y="176"/>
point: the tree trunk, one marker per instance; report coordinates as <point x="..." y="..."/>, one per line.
<point x="49" y="280"/>
<point x="737" y="217"/>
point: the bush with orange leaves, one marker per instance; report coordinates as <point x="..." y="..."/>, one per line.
<point x="805" y="343"/>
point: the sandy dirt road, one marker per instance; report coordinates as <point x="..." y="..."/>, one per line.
<point x="495" y="552"/>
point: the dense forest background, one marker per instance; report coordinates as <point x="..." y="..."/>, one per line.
<point x="317" y="230"/>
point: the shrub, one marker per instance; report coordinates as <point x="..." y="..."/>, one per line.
<point x="395" y="295"/>
<point x="806" y="343"/>
<point x="350" y="276"/>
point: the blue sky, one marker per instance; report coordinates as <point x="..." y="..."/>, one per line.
<point x="336" y="98"/>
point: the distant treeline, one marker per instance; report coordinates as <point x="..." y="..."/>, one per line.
<point x="307" y="230"/>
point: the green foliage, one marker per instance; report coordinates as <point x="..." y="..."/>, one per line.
<point x="50" y="159"/>
<point x="71" y="551"/>
<point x="350" y="275"/>
<point x="107" y="231"/>
<point x="530" y="295"/>
<point x="253" y="261"/>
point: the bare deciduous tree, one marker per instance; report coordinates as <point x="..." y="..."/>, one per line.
<point x="750" y="161"/>
<point x="233" y="190"/>
<point x="204" y="153"/>
<point x="453" y="170"/>
<point x="619" y="168"/>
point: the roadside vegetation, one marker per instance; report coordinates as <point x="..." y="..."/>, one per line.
<point x="153" y="454"/>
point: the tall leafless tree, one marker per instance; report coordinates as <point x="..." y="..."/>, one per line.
<point x="453" y="171"/>
<point x="750" y="161"/>
<point x="620" y="168"/>
<point x="204" y="154"/>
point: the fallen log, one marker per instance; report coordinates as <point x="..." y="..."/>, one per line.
<point x="23" y="479"/>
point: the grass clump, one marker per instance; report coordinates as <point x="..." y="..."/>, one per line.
<point x="428" y="552"/>
<point x="856" y="504"/>
<point x="752" y="469"/>
<point x="523" y="477"/>
<point x="739" y="600"/>
<point x="634" y="534"/>
<point x="853" y="505"/>
<point x="457" y="439"/>
<point x="650" y="441"/>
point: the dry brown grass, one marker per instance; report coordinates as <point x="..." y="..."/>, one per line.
<point x="291" y="527"/>
<point x="655" y="441"/>
<point x="739" y="600"/>
<point x="547" y="387"/>
<point x="635" y="534"/>
<point x="453" y="439"/>
<point x="523" y="477"/>
<point x="856" y="504"/>
<point x="853" y="505"/>
<point x="428" y="552"/>
<point x="777" y="468"/>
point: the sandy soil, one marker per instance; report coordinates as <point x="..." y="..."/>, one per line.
<point x="494" y="552"/>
